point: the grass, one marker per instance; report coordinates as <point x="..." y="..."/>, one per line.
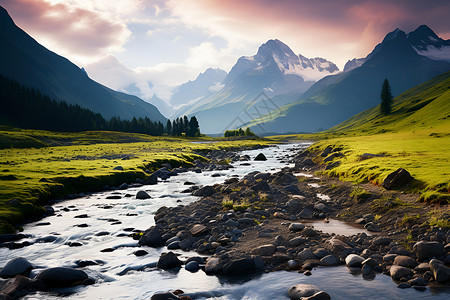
<point x="415" y="136"/>
<point x="39" y="165"/>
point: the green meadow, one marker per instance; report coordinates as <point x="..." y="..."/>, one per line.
<point x="39" y="165"/>
<point x="415" y="136"/>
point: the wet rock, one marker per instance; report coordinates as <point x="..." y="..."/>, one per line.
<point x="240" y="266"/>
<point x="174" y="245"/>
<point x="212" y="265"/>
<point x="19" y="286"/>
<point x="114" y="197"/>
<point x="61" y="276"/>
<point x="398" y="272"/>
<point x="192" y="266"/>
<point x="305" y="214"/>
<point x="142" y="195"/>
<point x="300" y="291"/>
<point x="329" y="260"/>
<point x="404" y="285"/>
<point x="381" y="241"/>
<point x="306" y="254"/>
<point x="372" y="227"/>
<point x="260" y="157"/>
<point x="441" y="273"/>
<point x="152" y="238"/>
<point x="418" y="281"/>
<point x="318" y="296"/>
<point x="405" y="261"/>
<point x="47" y="239"/>
<point x="168" y="260"/>
<point x="296" y="227"/>
<point x="10" y="237"/>
<point x="397" y="179"/>
<point x="422" y="268"/>
<point x="15" y="267"/>
<point x="293" y="264"/>
<point x="426" y="250"/>
<point x="165" y="296"/>
<point x="354" y="261"/>
<point x="198" y="229"/>
<point x="140" y="252"/>
<point x="205" y="191"/>
<point x="265" y="250"/>
<point x="320" y="253"/>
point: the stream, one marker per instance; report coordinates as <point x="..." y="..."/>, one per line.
<point x="95" y="228"/>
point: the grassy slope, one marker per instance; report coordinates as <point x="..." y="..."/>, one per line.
<point x="40" y="165"/>
<point x="416" y="136"/>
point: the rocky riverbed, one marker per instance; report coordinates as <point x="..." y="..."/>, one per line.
<point x="262" y="222"/>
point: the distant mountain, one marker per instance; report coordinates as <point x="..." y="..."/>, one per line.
<point x="428" y="44"/>
<point x="204" y="85"/>
<point x="252" y="82"/>
<point x="335" y="98"/>
<point x="26" y="61"/>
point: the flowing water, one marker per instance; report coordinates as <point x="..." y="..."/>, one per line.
<point x="97" y="222"/>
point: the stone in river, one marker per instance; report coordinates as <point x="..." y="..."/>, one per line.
<point x="329" y="260"/>
<point x="318" y="296"/>
<point x="152" y="237"/>
<point x="61" y="276"/>
<point x="165" y="296"/>
<point x="440" y="272"/>
<point x="15" y="267"/>
<point x="192" y="266"/>
<point x="239" y="267"/>
<point x="140" y="252"/>
<point x="300" y="291"/>
<point x="168" y="261"/>
<point x="142" y="195"/>
<point x="260" y="157"/>
<point x="398" y="272"/>
<point x="354" y="261"/>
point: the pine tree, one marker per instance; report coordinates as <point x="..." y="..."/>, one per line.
<point x="386" y="98"/>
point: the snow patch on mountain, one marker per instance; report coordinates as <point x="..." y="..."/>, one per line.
<point x="442" y="53"/>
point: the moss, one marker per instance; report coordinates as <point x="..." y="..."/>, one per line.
<point x="437" y="222"/>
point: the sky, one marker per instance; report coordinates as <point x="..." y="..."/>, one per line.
<point x="159" y="44"/>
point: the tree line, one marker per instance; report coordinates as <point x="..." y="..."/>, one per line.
<point x="239" y="132"/>
<point x="25" y="107"/>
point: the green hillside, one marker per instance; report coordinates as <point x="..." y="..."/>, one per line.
<point x="415" y="136"/>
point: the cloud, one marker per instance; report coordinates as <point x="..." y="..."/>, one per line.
<point x="78" y="33"/>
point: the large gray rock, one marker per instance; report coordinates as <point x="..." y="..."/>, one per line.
<point x="354" y="261"/>
<point x="397" y="179"/>
<point x="142" y="195"/>
<point x="265" y="250"/>
<point x="205" y="191"/>
<point x="62" y="276"/>
<point x="329" y="260"/>
<point x="152" y="237"/>
<point x="426" y="250"/>
<point x="15" y="267"/>
<point x="299" y="291"/>
<point x="296" y="226"/>
<point x="168" y="261"/>
<point x="318" y="296"/>
<point x="241" y="266"/>
<point x="440" y="272"/>
<point x="405" y="261"/>
<point x="260" y="157"/>
<point x="398" y="272"/>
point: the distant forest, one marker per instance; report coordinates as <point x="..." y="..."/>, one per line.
<point x="25" y="107"/>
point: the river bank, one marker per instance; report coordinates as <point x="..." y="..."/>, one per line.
<point x="251" y="224"/>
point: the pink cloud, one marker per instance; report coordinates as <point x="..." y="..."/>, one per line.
<point x="68" y="29"/>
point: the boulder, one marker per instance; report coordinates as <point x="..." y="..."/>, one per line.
<point x="241" y="266"/>
<point x="397" y="179"/>
<point x="441" y="273"/>
<point x="329" y="260"/>
<point x="15" y="267"/>
<point x="62" y="276"/>
<point x="299" y="291"/>
<point x="204" y="191"/>
<point x="152" y="237"/>
<point x="398" y="272"/>
<point x="296" y="226"/>
<point x="212" y="265"/>
<point x="165" y="296"/>
<point x="265" y="250"/>
<point x="198" y="229"/>
<point x="318" y="296"/>
<point x="19" y="286"/>
<point x="405" y="261"/>
<point x="426" y="250"/>
<point x="354" y="261"/>
<point x="142" y="195"/>
<point x="260" y="157"/>
<point x="168" y="260"/>
<point x="192" y="266"/>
